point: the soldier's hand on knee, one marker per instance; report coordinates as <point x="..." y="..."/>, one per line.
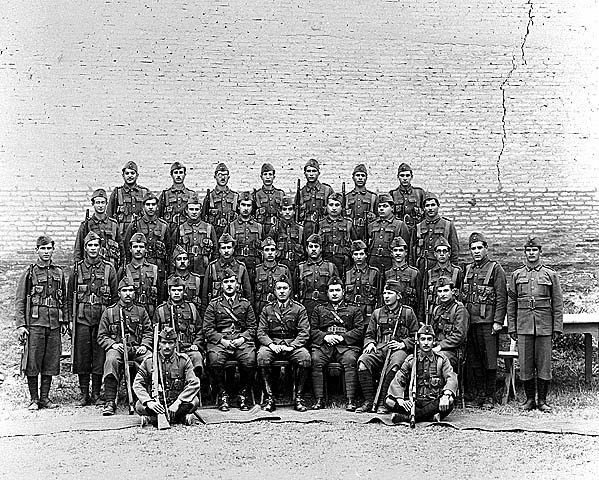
<point x="22" y="334"/>
<point x="275" y="348"/>
<point x="330" y="339"/>
<point x="141" y="350"/>
<point x="194" y="348"/>
<point x="394" y="345"/>
<point x="155" y="407"/>
<point x="227" y="344"/>
<point x="370" y="348"/>
<point x="118" y="347"/>
<point x="172" y="409"/>
<point x="444" y="403"/>
<point x="406" y="405"/>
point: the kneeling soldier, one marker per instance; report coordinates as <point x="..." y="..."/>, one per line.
<point x="138" y="332"/>
<point x="181" y="386"/>
<point x="283" y="332"/>
<point x="229" y="329"/>
<point x="435" y="383"/>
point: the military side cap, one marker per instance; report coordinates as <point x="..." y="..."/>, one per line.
<point x="149" y="196"/>
<point x="226" y="238"/>
<point x="288" y="202"/>
<point x="358" y="245"/>
<point x="178" y="250"/>
<point x="138" y="238"/>
<point x="385" y="198"/>
<point x="532" y="242"/>
<point x="335" y="280"/>
<point x="393" y="285"/>
<point x="476" y="237"/>
<point x="130" y="165"/>
<point x="398" y="242"/>
<point x="312" y="163"/>
<point x="284" y="279"/>
<point x="246" y="197"/>
<point x="314" y="238"/>
<point x="126" y="282"/>
<point x="221" y="167"/>
<point x="175" y="281"/>
<point x="177" y="166"/>
<point x="404" y="167"/>
<point x="443" y="281"/>
<point x="90" y="237"/>
<point x="267" y="167"/>
<point x="194" y="199"/>
<point x="228" y="273"/>
<point x="426" y="330"/>
<point x="99" y="192"/>
<point x="44" y="240"/>
<point x="360" y="168"/>
<point x="431" y="196"/>
<point x="442" y="242"/>
<point x="268" y="241"/>
<point x="168" y="333"/>
<point x="337" y="197"/>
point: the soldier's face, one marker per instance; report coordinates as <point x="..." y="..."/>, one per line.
<point x="385" y="210"/>
<point x="425" y="342"/>
<point x="268" y="178"/>
<point x="405" y="178"/>
<point x="442" y="254"/>
<point x="229" y="285"/>
<point x="282" y="291"/>
<point x="359" y="179"/>
<point x="313" y="250"/>
<point x="335" y="293"/>
<point x="130" y="176"/>
<point x="311" y="174"/>
<point x="167" y="347"/>
<point x="334" y="207"/>
<point x="45" y="252"/>
<point x="478" y="251"/>
<point x="150" y="207"/>
<point x="431" y="209"/>
<point x="445" y="293"/>
<point x="399" y="254"/>
<point x="126" y="294"/>
<point x="287" y="212"/>
<point x="92" y="249"/>
<point x="222" y="178"/>
<point x="182" y="262"/>
<point x="533" y="254"/>
<point x="226" y="250"/>
<point x="269" y="253"/>
<point x="99" y="204"/>
<point x="138" y="250"/>
<point x="176" y="293"/>
<point x="245" y="208"/>
<point x="178" y="175"/>
<point x="194" y="210"/>
<point x="390" y="297"/>
<point x="359" y="256"/>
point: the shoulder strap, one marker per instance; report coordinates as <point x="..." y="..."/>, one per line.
<point x="154" y="274"/>
<point x="129" y="273"/>
<point x="489" y="273"/>
<point x="347" y="277"/>
<point x="161" y="316"/>
<point x="446" y="231"/>
<point x="209" y="231"/>
<point x="194" y="312"/>
<point x="106" y="273"/>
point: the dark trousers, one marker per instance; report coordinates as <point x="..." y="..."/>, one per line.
<point x="426" y="409"/>
<point x="89" y="356"/>
<point x="346" y="356"/>
<point x="534" y="355"/>
<point x="45" y="347"/>
<point x="179" y="417"/>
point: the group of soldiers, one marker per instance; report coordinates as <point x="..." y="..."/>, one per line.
<point x="366" y="280"/>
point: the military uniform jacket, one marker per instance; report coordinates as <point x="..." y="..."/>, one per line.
<point x="285" y="324"/>
<point x="363" y="285"/>
<point x="198" y="238"/>
<point x="450" y="321"/>
<point x="346" y="320"/>
<point x="313" y="201"/>
<point x="126" y="202"/>
<point x="361" y="208"/>
<point x="111" y="246"/>
<point x="433" y="274"/>
<point x="268" y="205"/>
<point x="192" y="289"/>
<point x="248" y="235"/>
<point x="411" y="283"/>
<point x="145" y="278"/>
<point x="138" y="327"/>
<point x="212" y="287"/>
<point x="96" y="289"/>
<point x="290" y="241"/>
<point x="229" y="319"/>
<point x="408" y="202"/>
<point x="381" y="233"/>
<point x="180" y="381"/>
<point x="337" y="235"/>
<point x="220" y="205"/>
<point x="429" y="231"/>
<point x="157" y="234"/>
<point x="264" y="283"/>
<point x="535" y="303"/>
<point x="46" y="287"/>
<point x="184" y="318"/>
<point x="382" y="323"/>
<point x="484" y="292"/>
<point x="173" y="202"/>
<point x="313" y="277"/>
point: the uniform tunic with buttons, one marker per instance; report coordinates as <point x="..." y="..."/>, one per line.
<point x="313" y="202"/>
<point x="199" y="240"/>
<point x="450" y="322"/>
<point x="431" y="277"/>
<point x="192" y="290"/>
<point x="312" y="280"/>
<point x="428" y="232"/>
<point x="172" y="203"/>
<point x="361" y="208"/>
<point x="148" y="285"/>
<point x="266" y="277"/>
<point x="248" y="237"/>
<point x="158" y="243"/>
<point x="381" y="233"/>
<point x="337" y="234"/>
<point x="268" y="207"/>
<point x="289" y="237"/>
<point x="409" y="202"/>
<point x="221" y="206"/>
<point x="212" y="287"/>
<point x="125" y="203"/>
<point x="111" y="245"/>
<point x="363" y="287"/>
<point x="410" y="280"/>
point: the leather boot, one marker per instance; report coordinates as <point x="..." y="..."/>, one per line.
<point x="34" y="395"/>
<point x="246" y="376"/>
<point x="269" y="403"/>
<point x="543" y="387"/>
<point x="319" y="404"/>
<point x="243" y="401"/>
<point x="84" y="388"/>
<point x="491" y="384"/>
<point x="110" y="387"/>
<point x="302" y="375"/>
<point x="96" y="387"/>
<point x="45" y="402"/>
<point x="529" y="389"/>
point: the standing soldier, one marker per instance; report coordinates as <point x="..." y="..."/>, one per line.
<point x="40" y="315"/>
<point x="143" y="275"/>
<point x="283" y="333"/>
<point x="313" y="197"/>
<point x="266" y="274"/>
<point x="111" y="247"/>
<point x="96" y="289"/>
<point x="221" y="202"/>
<point x="381" y="233"/>
<point x="126" y="201"/>
<point x="138" y="331"/>
<point x="360" y="203"/>
<point x="289" y="236"/>
<point x="313" y="276"/>
<point x="337" y="233"/>
<point x="484" y="294"/>
<point x="192" y="282"/>
<point x="535" y="316"/>
<point x="408" y="277"/>
<point x="362" y="282"/>
<point x="408" y="200"/>
<point x="268" y="199"/>
<point x="184" y="318"/>
<point x="212" y="287"/>
<point x="337" y="332"/>
<point x="247" y="234"/>
<point x="173" y="201"/>
<point x="229" y="329"/>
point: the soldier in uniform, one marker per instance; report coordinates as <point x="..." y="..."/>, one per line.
<point x="283" y="333"/>
<point x="247" y="233"/>
<point x="408" y="200"/>
<point x="138" y="332"/>
<point x="40" y="315"/>
<point x="535" y="317"/>
<point x="111" y="247"/>
<point x="181" y="385"/>
<point x="266" y="274"/>
<point x="313" y="276"/>
<point x="156" y="232"/>
<point x="289" y="236"/>
<point x="381" y="233"/>
<point x="360" y="203"/>
<point x="212" y="287"/>
<point x="450" y="319"/>
<point x="390" y="331"/>
<point x="184" y="318"/>
<point x="125" y="202"/>
<point x="313" y="198"/>
<point x="172" y="203"/>
<point x="96" y="289"/>
<point x="436" y="383"/>
<point x="337" y="333"/>
<point x="221" y="202"/>
<point x="268" y="199"/>
<point x="337" y="233"/>
<point x="408" y="276"/>
<point x="484" y="295"/>
<point x="229" y="329"/>
<point x="429" y="230"/>
<point x="362" y="282"/>
<point x="143" y="274"/>
<point x="192" y="282"/>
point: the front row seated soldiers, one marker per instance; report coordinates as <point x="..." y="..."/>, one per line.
<point x="111" y="247"/>
<point x="40" y="315"/>
<point x="313" y="276"/>
<point x="247" y="233"/>
<point x="229" y="329"/>
<point x="221" y="202"/>
<point x="381" y="233"/>
<point x="337" y="332"/>
<point x="172" y="202"/>
<point x="268" y="199"/>
<point x="283" y="333"/>
<point x="313" y="198"/>
<point x="450" y="320"/>
<point x="337" y="233"/>
<point x="390" y="332"/>
<point x="125" y="316"/>
<point x="192" y="282"/>
<point x="184" y="318"/>
<point x="535" y="317"/>
<point x="96" y="289"/>
<point x="362" y="282"/>
<point x="266" y="275"/>
<point x="409" y="277"/>
<point x="125" y="202"/>
<point x="289" y="236"/>
<point x="360" y="203"/>
<point x="436" y="383"/>
<point x="181" y="385"/>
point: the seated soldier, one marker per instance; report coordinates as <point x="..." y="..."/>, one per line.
<point x="179" y="382"/>
<point x="435" y="381"/>
<point x="283" y="332"/>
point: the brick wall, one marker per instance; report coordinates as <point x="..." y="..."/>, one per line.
<point x="494" y="103"/>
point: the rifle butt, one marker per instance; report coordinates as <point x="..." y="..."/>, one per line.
<point x="163" y="423"/>
<point x="25" y="356"/>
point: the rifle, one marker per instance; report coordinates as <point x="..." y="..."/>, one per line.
<point x="73" y="326"/>
<point x="414" y="384"/>
<point x="379" y="388"/>
<point x="343" y="201"/>
<point x="163" y="422"/>
<point x="206" y="206"/>
<point x="25" y="353"/>
<point x="365" y="215"/>
<point x="86" y="223"/>
<point x="126" y="362"/>
<point x="173" y="324"/>
<point x="298" y="198"/>
<point x="161" y="378"/>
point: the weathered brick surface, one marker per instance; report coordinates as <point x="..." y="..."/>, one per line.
<point x="494" y="103"/>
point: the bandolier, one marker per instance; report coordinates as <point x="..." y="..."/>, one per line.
<point x="248" y="234"/>
<point x="199" y="241"/>
<point x="360" y="207"/>
<point x="337" y="235"/>
<point x="266" y="277"/>
<point x="221" y="209"/>
<point x="214" y="277"/>
<point x="145" y="279"/>
<point x="268" y="207"/>
<point x="362" y="284"/>
<point x="409" y="279"/>
<point x="173" y="201"/>
<point x="126" y="202"/>
<point x="289" y="236"/>
<point x="313" y="201"/>
<point x="408" y="201"/>
<point x="156" y="233"/>
<point x="431" y="278"/>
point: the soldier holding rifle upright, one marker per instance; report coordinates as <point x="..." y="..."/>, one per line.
<point x="313" y="198"/>
<point x="268" y="200"/>
<point x="125" y="202"/>
<point x="220" y="204"/>
<point x="360" y="204"/>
